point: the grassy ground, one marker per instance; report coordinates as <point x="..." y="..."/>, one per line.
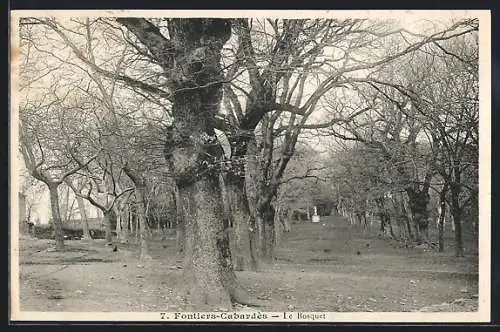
<point x="330" y="266"/>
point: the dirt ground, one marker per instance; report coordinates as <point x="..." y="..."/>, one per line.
<point x="330" y="266"/>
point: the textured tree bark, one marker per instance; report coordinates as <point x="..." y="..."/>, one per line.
<point x="56" y="216"/>
<point x="243" y="256"/>
<point x="207" y="258"/>
<point x="193" y="156"/>
<point x="251" y="185"/>
<point x="83" y="217"/>
<point x="266" y="215"/>
<point x="269" y="237"/>
<point x="109" y="219"/>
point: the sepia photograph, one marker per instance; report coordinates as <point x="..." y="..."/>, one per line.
<point x="250" y="166"/>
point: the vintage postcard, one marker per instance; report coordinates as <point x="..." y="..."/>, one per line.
<point x="250" y="166"/>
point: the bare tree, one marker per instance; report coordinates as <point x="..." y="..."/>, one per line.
<point x="37" y="165"/>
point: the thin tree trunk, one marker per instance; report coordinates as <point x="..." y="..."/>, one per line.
<point x="456" y="212"/>
<point x="125" y="228"/>
<point x="388" y="222"/>
<point x="83" y="217"/>
<point x="133" y="224"/>
<point x="56" y="216"/>
<point x="124" y="221"/>
<point x="180" y="237"/>
<point x="408" y="217"/>
<point x="278" y="227"/>
<point x="180" y="227"/>
<point x="441" y="217"/>
<point x="107" y="224"/>
<point x="141" y="217"/>
<point x="137" y="226"/>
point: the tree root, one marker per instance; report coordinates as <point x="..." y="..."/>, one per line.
<point x="238" y="295"/>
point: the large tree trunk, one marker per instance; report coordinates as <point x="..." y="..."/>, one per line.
<point x="191" y="63"/>
<point x="239" y="212"/>
<point x="83" y="217"/>
<point x="266" y="215"/>
<point x="208" y="264"/>
<point x="194" y="155"/>
<point x="56" y="216"/>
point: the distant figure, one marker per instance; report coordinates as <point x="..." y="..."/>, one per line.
<point x="115" y="249"/>
<point x="358" y="252"/>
